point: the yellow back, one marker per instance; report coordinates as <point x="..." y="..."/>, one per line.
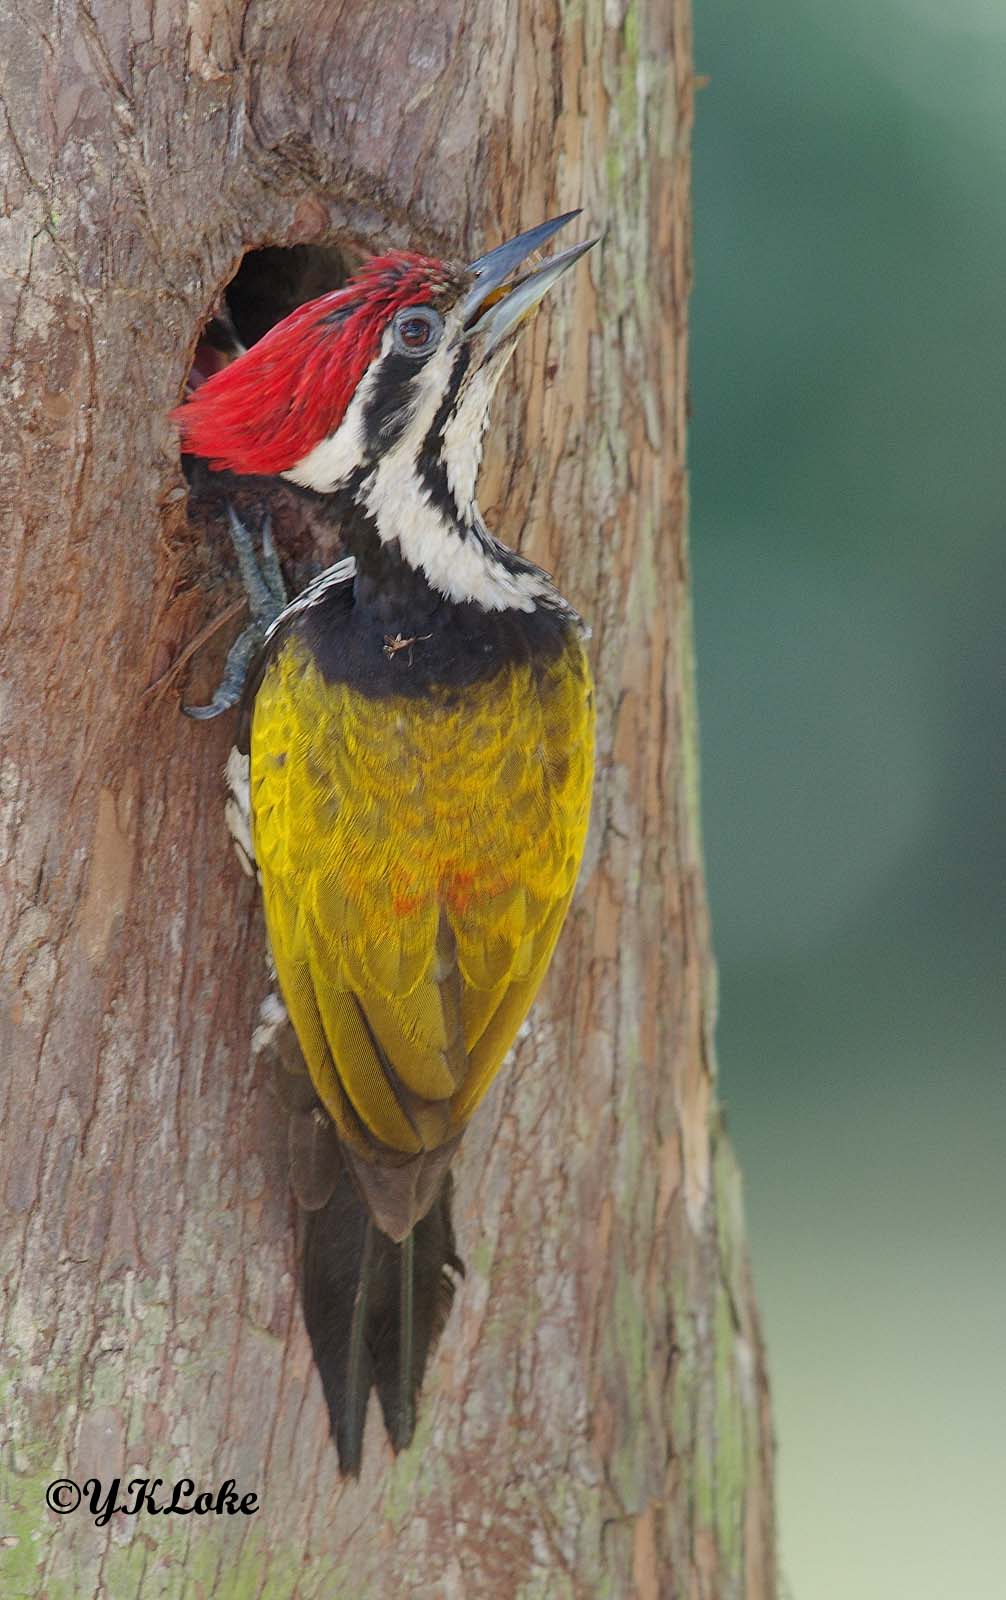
<point x="417" y="856"/>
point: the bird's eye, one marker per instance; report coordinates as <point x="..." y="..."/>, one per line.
<point x="417" y="330"/>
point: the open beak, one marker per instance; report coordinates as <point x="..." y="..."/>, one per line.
<point x="504" y="308"/>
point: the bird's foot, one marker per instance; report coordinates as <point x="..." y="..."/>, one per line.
<point x="263" y="584"/>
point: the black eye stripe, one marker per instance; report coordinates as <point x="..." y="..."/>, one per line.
<point x="391" y="402"/>
<point x="430" y="462"/>
<point x="390" y="406"/>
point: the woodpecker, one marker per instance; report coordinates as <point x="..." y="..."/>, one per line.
<point x="410" y="780"/>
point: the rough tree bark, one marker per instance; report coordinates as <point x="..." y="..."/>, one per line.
<point x="597" y="1421"/>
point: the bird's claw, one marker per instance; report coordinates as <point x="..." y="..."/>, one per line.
<point x="266" y="591"/>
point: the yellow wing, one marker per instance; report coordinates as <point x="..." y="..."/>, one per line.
<point x="417" y="857"/>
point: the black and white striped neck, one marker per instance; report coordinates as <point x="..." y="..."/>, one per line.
<point x="405" y="459"/>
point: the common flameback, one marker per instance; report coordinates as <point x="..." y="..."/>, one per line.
<point x="410" y="780"/>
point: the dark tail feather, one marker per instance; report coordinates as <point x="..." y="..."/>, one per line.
<point x="374" y="1311"/>
<point x="414" y="1319"/>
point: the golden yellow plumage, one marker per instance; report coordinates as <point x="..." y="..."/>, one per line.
<point x="417" y="855"/>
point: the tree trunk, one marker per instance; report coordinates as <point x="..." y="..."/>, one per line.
<point x="596" y="1420"/>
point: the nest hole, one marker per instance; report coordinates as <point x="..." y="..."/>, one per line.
<point x="273" y="281"/>
<point x="269" y="283"/>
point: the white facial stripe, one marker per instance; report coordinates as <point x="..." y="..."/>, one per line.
<point x="332" y="461"/>
<point x="462" y="450"/>
<point x="460" y="565"/>
<point x="462" y="568"/>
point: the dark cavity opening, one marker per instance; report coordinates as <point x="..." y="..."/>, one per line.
<point x="268" y="285"/>
<point x="272" y="282"/>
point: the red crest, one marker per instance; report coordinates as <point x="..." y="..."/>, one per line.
<point x="270" y="407"/>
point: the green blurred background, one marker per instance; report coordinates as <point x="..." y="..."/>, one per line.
<point x="848" y="500"/>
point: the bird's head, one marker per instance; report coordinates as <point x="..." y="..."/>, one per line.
<point x="380" y="392"/>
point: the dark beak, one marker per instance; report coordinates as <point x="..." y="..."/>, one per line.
<point x="509" y="308"/>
